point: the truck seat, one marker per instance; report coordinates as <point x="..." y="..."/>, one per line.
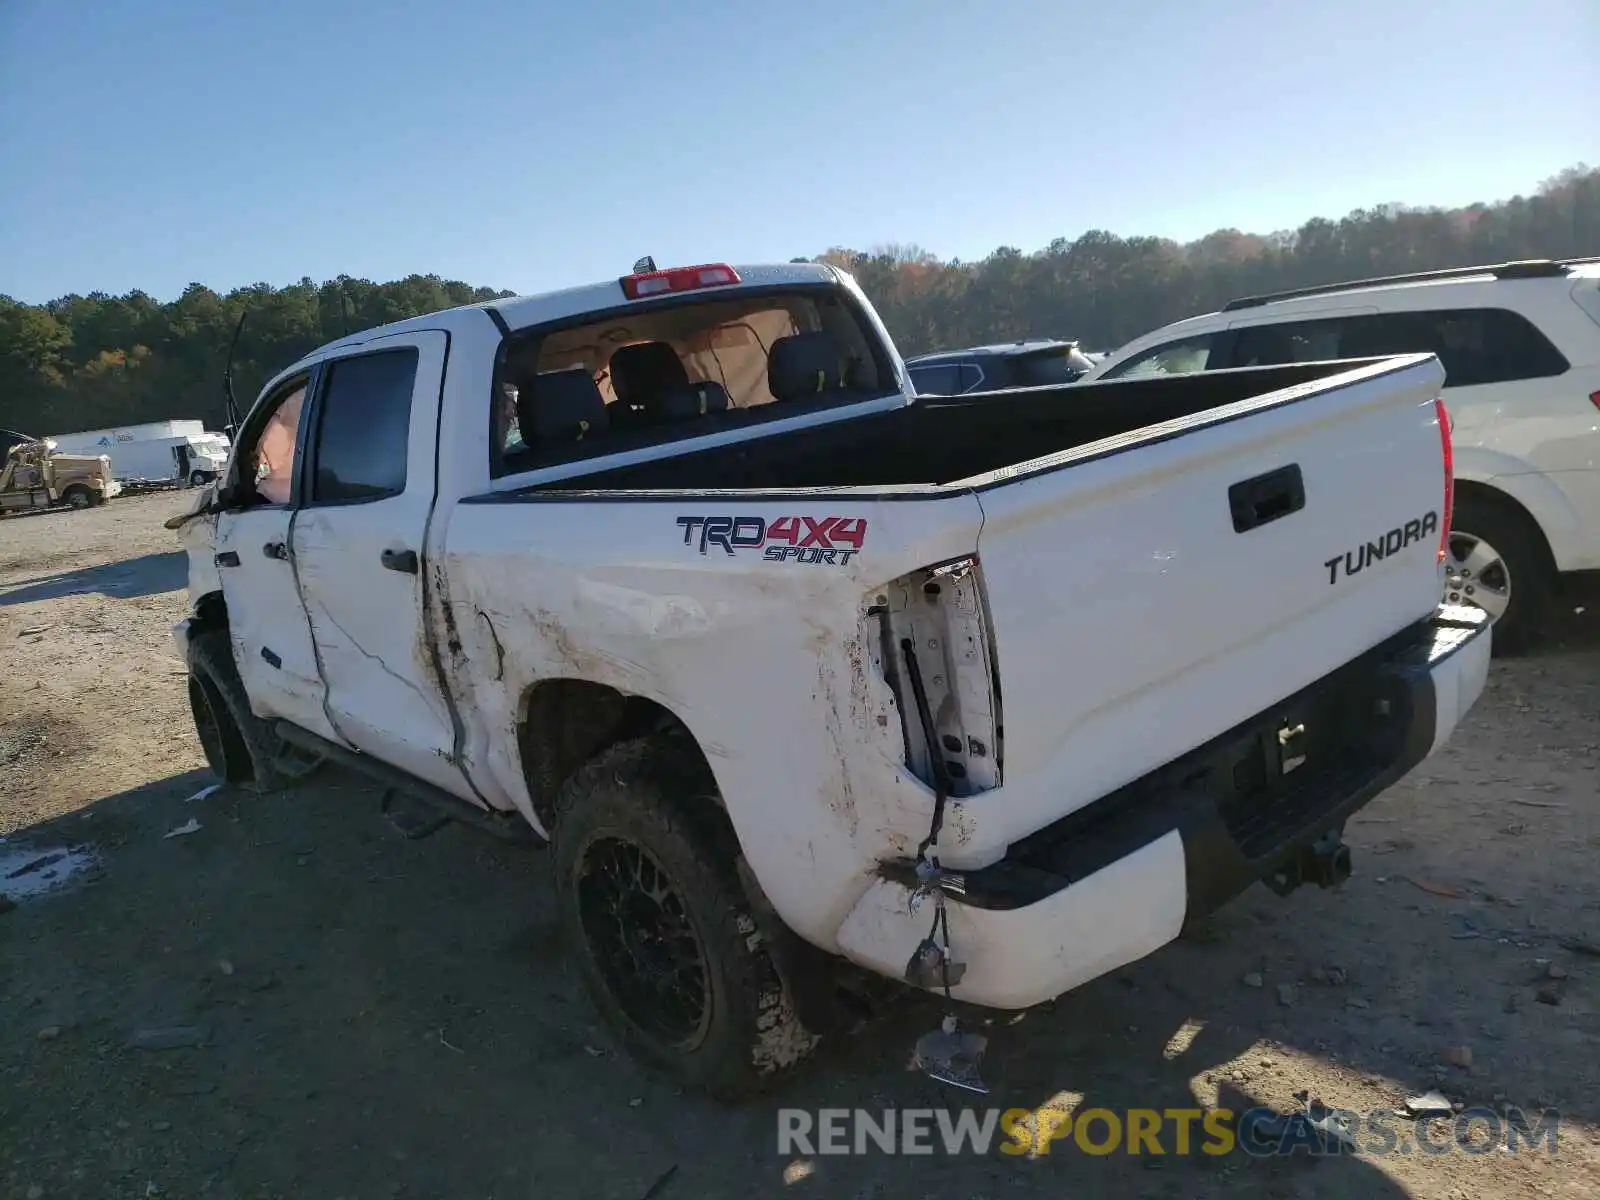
<point x="804" y="364"/>
<point x="561" y="406"/>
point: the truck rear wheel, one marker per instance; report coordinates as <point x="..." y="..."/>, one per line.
<point x="78" y="496"/>
<point x="239" y="746"/>
<point x="649" y="896"/>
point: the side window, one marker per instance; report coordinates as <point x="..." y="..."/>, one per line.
<point x="1175" y="358"/>
<point x="364" y="427"/>
<point x="943" y="379"/>
<point x="1475" y="345"/>
<point x="1292" y="342"/>
<point x="969" y="377"/>
<point x="1040" y="370"/>
<point x="269" y="463"/>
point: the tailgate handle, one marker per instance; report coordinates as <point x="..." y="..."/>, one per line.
<point x="1264" y="499"/>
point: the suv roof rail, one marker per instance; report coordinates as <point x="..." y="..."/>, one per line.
<point x="1530" y="268"/>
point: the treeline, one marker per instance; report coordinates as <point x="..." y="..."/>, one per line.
<point x="87" y="361"/>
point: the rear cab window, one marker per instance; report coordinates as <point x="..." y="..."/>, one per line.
<point x="652" y="373"/>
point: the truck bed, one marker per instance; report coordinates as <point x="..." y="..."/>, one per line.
<point x="938" y="441"/>
<point x="1159" y="557"/>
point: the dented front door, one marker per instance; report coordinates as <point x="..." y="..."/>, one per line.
<point x="358" y="543"/>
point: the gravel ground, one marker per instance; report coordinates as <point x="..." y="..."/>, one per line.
<point x="358" y="1015"/>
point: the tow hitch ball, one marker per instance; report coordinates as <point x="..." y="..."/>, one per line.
<point x="1326" y="863"/>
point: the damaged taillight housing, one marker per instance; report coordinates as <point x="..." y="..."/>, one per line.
<point x="1448" y="451"/>
<point x="933" y="646"/>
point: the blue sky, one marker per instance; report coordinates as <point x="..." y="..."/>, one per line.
<point x="530" y="146"/>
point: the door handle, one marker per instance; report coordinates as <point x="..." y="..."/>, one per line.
<point x="404" y="561"/>
<point x="276" y="550"/>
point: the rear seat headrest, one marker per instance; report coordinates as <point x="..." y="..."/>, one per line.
<point x="561" y="406"/>
<point x="643" y="369"/>
<point x="804" y="364"/>
<point x="690" y="400"/>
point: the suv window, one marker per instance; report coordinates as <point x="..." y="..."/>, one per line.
<point x="1174" y="358"/>
<point x="1038" y="370"/>
<point x="1474" y="345"/>
<point x="1291" y="342"/>
<point x="364" y="427"/>
<point x="941" y="379"/>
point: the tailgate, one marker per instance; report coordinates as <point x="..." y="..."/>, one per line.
<point x="1150" y="591"/>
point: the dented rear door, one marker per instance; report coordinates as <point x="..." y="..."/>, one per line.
<point x="358" y="548"/>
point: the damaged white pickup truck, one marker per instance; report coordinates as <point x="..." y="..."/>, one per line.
<point x="808" y="680"/>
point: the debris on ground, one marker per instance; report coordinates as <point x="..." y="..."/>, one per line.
<point x="1437" y="889"/>
<point x="1253" y="980"/>
<point x="32" y="872"/>
<point x="1330" y="976"/>
<point x="49" y="1033"/>
<point x="1584" y="946"/>
<point x="1329" y="1128"/>
<point x="205" y="791"/>
<point x="171" y="1037"/>
<point x="1429" y="1104"/>
<point x="188" y="827"/>
<point x="1556" y="971"/>
<point x="660" y="1184"/>
<point x="1549" y="993"/>
<point x="1286" y="995"/>
<point x="1459" y="1056"/>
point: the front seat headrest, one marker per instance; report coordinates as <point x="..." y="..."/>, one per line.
<point x="561" y="406"/>
<point x="805" y="364"/>
<point x="645" y="369"/>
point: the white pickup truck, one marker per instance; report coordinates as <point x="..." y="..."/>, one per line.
<point x="677" y="572"/>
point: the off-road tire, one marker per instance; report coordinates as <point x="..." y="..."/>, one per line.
<point x="653" y="793"/>
<point x="240" y="747"/>
<point x="1531" y="572"/>
<point x="78" y="496"/>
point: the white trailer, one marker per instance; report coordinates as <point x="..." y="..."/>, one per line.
<point x="179" y="450"/>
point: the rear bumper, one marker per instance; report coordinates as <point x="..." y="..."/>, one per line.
<point x="1119" y="878"/>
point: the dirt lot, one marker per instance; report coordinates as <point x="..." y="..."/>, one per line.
<point x="378" y="1017"/>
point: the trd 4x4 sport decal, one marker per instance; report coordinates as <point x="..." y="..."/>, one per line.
<point x="832" y="541"/>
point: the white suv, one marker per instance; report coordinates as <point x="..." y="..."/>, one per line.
<point x="1520" y="345"/>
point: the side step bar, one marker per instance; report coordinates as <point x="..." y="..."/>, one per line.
<point x="508" y="828"/>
